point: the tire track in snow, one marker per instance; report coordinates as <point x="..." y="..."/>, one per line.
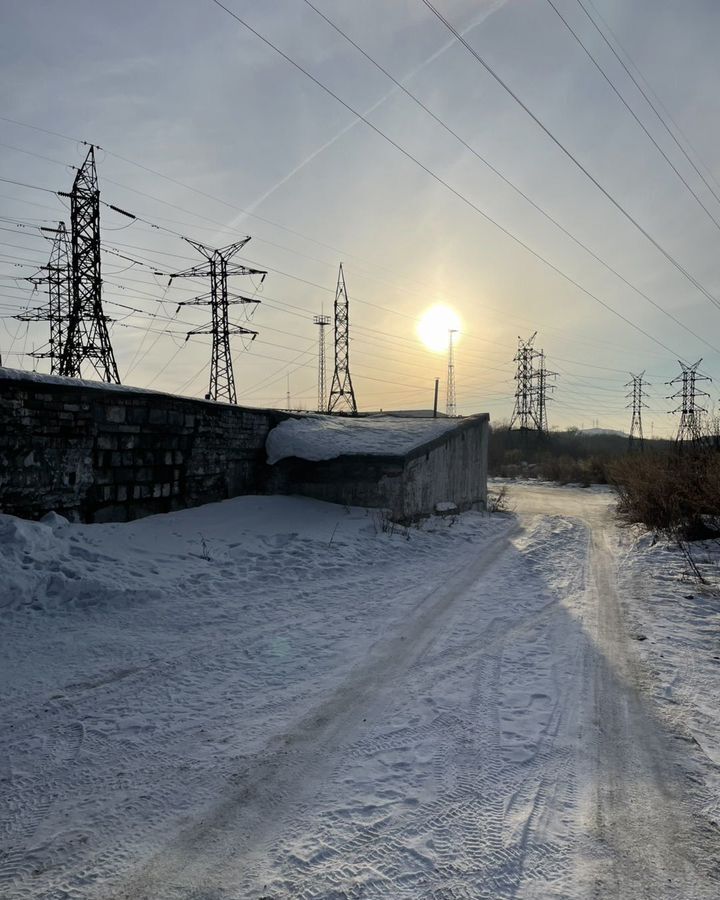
<point x="428" y="808"/>
<point x="284" y="778"/>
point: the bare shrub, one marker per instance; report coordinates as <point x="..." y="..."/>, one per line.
<point x="499" y="501"/>
<point x="566" y="469"/>
<point x="673" y="494"/>
<point x="676" y="495"/>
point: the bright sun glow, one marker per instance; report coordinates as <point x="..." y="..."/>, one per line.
<point x="434" y="326"/>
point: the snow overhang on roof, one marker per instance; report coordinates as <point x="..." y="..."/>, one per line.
<point x="319" y="437"/>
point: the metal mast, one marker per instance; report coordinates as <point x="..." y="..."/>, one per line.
<point x="690" y="411"/>
<point x="635" y="396"/>
<point x="322" y="404"/>
<point x="451" y="400"/>
<point x="342" y="393"/>
<point x="219" y="299"/>
<point x="56" y="311"/>
<point x="87" y="334"/>
<point x="525" y="410"/>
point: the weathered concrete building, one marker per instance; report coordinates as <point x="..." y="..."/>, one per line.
<point x="412" y="467"/>
<point x="96" y="452"/>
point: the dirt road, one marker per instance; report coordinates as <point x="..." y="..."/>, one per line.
<point x="449" y="713"/>
<point x="499" y="746"/>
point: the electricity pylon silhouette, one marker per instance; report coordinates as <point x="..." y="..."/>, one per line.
<point x="541" y="376"/>
<point x="342" y="393"/>
<point x="525" y="410"/>
<point x="219" y="299"/>
<point x="451" y="399"/>
<point x="87" y="337"/>
<point x="322" y="322"/>
<point x="58" y="278"/>
<point x="689" y="409"/>
<point x="635" y="396"/>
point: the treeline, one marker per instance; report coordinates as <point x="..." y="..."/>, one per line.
<point x="567" y="457"/>
<point x="671" y="489"/>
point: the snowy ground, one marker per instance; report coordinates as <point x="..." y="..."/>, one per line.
<point x="275" y="698"/>
<point x="676" y="623"/>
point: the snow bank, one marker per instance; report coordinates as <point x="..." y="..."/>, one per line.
<point x="47" y="567"/>
<point x="326" y="437"/>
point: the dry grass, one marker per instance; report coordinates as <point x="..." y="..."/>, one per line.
<point x="676" y="494"/>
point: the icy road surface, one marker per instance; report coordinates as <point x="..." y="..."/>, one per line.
<point x="321" y="709"/>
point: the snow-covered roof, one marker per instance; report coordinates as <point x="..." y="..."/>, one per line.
<point x="315" y="437"/>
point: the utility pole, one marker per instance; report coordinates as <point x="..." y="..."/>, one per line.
<point x="451" y="399"/>
<point x="341" y="390"/>
<point x="525" y="410"/>
<point x="435" y="400"/>
<point x="689" y="409"/>
<point x="58" y="278"/>
<point x="220" y="299"/>
<point x="87" y="333"/>
<point x="322" y="322"/>
<point x="635" y="396"/>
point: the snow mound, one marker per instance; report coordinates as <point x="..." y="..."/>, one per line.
<point x="45" y="567"/>
<point x="326" y="437"/>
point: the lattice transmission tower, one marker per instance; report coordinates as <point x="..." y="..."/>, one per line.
<point x="542" y="387"/>
<point x="218" y="268"/>
<point x="689" y="409"/>
<point x="322" y="322"/>
<point x="57" y="279"/>
<point x="342" y="393"/>
<point x="525" y="411"/>
<point x="451" y="397"/>
<point x="87" y="338"/>
<point x="635" y="395"/>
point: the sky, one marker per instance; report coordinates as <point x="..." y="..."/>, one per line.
<point x="210" y="133"/>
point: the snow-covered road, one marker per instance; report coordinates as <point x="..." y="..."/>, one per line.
<point x="322" y="709"/>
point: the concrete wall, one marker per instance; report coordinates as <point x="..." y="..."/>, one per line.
<point x="451" y="468"/>
<point x="102" y="453"/>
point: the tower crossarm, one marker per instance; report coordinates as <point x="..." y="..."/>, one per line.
<point x="219" y="298"/>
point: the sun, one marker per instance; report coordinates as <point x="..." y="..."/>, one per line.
<point x="434" y="325"/>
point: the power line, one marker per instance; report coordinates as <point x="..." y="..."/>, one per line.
<point x="500" y="175"/>
<point x="691" y="278"/>
<point x="323" y="287"/>
<point x="437" y="177"/>
<point x="131" y="214"/>
<point x="632" y="112"/>
<point x="33" y="187"/>
<point x="644" y="93"/>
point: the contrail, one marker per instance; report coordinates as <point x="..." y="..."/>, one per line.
<point x="488" y="11"/>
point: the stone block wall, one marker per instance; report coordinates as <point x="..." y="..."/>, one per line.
<point x="102" y="453"/>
